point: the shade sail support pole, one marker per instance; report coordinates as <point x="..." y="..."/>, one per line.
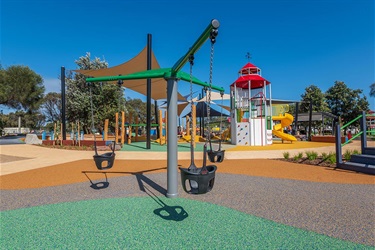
<point x="172" y="152"/>
<point x="148" y="107"/>
<point x="63" y="103"/>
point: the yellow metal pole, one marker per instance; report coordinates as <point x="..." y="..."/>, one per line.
<point x="160" y="127"/>
<point x="136" y="128"/>
<point x="116" y="128"/>
<point x="106" y="123"/>
<point x="130" y="129"/>
<point x="122" y="127"/>
<point x="194" y="130"/>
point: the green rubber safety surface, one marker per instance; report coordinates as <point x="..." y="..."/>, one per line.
<point x="152" y="223"/>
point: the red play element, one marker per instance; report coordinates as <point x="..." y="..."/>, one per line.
<point x="250" y="76"/>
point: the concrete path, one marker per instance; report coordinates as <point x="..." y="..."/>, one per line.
<point x="22" y="157"/>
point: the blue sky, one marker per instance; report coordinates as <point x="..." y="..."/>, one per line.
<point x="296" y="43"/>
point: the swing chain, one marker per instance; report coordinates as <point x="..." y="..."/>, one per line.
<point x="92" y="109"/>
<point x="119" y="84"/>
<point x="213" y="39"/>
<point x="191" y="60"/>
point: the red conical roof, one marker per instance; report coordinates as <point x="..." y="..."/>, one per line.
<point x="249" y="76"/>
<point x="255" y="82"/>
<point x="249" y="68"/>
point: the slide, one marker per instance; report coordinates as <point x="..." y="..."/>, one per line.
<point x="285" y="120"/>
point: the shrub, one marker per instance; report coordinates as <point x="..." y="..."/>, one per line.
<point x="311" y="155"/>
<point x="356" y="152"/>
<point x="286" y="155"/>
<point x="347" y="155"/>
<point x="300" y="155"/>
<point x="324" y="156"/>
<point x="331" y="158"/>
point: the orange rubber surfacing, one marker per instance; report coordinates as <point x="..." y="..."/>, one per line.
<point x="72" y="172"/>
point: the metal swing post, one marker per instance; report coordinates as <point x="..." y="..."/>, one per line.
<point x="172" y="154"/>
<point x="172" y="162"/>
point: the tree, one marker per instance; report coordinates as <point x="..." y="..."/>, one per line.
<point x="316" y="96"/>
<point x="51" y="108"/>
<point x="372" y="90"/>
<point x="20" y="87"/>
<point x="2" y="123"/>
<point x="345" y="102"/>
<point x="313" y="95"/>
<point x="138" y="108"/>
<point x="106" y="97"/>
<point x="33" y="120"/>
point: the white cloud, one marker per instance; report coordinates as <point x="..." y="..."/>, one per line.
<point x="52" y="85"/>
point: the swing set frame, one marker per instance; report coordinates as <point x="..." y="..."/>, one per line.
<point x="172" y="76"/>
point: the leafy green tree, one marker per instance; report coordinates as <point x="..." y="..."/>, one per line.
<point x="316" y="96"/>
<point x="2" y="123"/>
<point x="11" y="119"/>
<point x="20" y="87"/>
<point x="33" y="120"/>
<point x="138" y="108"/>
<point x="372" y="90"/>
<point x="107" y="97"/>
<point x="345" y="102"/>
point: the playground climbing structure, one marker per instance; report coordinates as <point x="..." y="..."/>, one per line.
<point x="251" y="117"/>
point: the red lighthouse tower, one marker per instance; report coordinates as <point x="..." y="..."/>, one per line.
<point x="251" y="122"/>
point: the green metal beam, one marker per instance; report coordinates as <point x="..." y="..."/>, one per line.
<point x="154" y="73"/>
<point x="186" y="77"/>
<point x="203" y="37"/>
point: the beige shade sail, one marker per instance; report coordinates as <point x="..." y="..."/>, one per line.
<point x="214" y="97"/>
<point x="136" y="64"/>
<point x="224" y="107"/>
<point x="180" y="107"/>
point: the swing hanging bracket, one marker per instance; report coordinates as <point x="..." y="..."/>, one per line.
<point x="207" y="33"/>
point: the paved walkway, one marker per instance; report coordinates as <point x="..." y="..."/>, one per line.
<point x="22" y="157"/>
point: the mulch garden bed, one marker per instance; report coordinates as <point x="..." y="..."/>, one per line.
<point x="316" y="162"/>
